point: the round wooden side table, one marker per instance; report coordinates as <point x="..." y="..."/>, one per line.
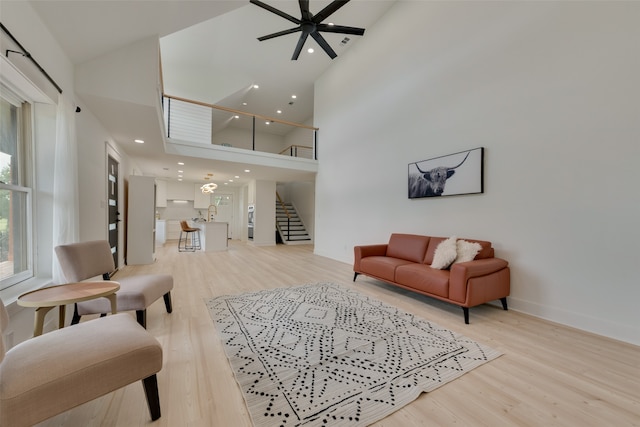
<point x="46" y="298"/>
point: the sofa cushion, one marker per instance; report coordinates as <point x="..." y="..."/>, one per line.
<point x="410" y="247"/>
<point x="424" y="279"/>
<point x="383" y="267"/>
<point x="431" y="249"/>
<point x="485" y="252"/>
<point x="466" y="250"/>
<point x="445" y="254"/>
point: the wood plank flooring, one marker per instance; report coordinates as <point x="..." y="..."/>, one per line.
<point x="549" y="375"/>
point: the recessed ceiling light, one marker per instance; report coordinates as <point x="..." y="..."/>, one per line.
<point x="179" y="176"/>
<point x="236" y="177"/>
<point x="226" y="183"/>
<point x="256" y="86"/>
<point x="236" y="117"/>
<point x="180" y="171"/>
<point x="247" y="170"/>
<point x="139" y="141"/>
<point x="330" y="23"/>
<point x="181" y="163"/>
<point x="293" y="96"/>
<point x="310" y="50"/>
<point x="279" y="111"/>
<point x="230" y="180"/>
<point x="179" y="179"/>
<point x="244" y="103"/>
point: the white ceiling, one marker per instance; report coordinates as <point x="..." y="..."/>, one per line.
<point x="218" y="38"/>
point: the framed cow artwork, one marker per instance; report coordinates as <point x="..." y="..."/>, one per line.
<point x="450" y="175"/>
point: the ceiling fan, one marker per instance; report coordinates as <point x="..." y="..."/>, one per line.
<point x="310" y="24"/>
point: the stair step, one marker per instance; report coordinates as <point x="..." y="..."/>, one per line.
<point x="290" y="226"/>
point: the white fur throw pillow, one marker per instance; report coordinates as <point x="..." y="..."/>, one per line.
<point x="467" y="251"/>
<point x="445" y="254"/>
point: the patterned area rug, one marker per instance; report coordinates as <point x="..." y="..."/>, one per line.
<point x="322" y="354"/>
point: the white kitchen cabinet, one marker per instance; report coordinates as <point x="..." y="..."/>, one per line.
<point x="200" y="199"/>
<point x="161" y="231"/>
<point x="173" y="230"/>
<point x="213" y="236"/>
<point x="141" y="220"/>
<point x="177" y="190"/>
<point x="161" y="193"/>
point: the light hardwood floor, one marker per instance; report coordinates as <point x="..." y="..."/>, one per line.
<point x="549" y="375"/>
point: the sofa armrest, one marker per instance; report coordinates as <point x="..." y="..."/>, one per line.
<point x="360" y="252"/>
<point x="462" y="272"/>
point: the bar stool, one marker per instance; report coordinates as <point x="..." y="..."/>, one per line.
<point x="183" y="245"/>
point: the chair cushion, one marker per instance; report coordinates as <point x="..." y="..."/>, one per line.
<point x="57" y="371"/>
<point x="136" y="293"/>
<point x="85" y="260"/>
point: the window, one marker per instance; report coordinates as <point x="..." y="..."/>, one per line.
<point x="16" y="261"/>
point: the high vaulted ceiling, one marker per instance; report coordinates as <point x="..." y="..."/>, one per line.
<point x="217" y="38"/>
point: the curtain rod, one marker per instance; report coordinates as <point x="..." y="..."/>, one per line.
<point x="27" y="55"/>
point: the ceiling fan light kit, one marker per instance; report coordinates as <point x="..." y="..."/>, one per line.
<point x="311" y="25"/>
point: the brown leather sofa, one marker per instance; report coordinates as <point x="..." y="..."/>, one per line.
<point x="406" y="262"/>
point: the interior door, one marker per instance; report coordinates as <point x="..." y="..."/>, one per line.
<point x="224" y="207"/>
<point x="114" y="213"/>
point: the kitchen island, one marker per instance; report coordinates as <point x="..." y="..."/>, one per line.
<point x="213" y="236"/>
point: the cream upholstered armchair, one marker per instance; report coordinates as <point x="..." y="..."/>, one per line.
<point x="52" y="373"/>
<point x="85" y="260"/>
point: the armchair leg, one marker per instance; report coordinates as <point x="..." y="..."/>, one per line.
<point x="153" y="399"/>
<point x="355" y="275"/>
<point x="141" y="317"/>
<point x="465" y="310"/>
<point x="167" y="302"/>
<point x="504" y="303"/>
<point x="76" y="317"/>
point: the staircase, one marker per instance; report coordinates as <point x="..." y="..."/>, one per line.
<point x="290" y="227"/>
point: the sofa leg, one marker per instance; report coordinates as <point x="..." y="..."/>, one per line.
<point x="465" y="310"/>
<point x="504" y="303"/>
<point x="167" y="302"/>
<point x="355" y="275"/>
<point x="153" y="399"/>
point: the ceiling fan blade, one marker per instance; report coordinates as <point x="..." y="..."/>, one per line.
<point x="280" y="33"/>
<point x="300" y="45"/>
<point x="341" y="29"/>
<point x="304" y="10"/>
<point x="276" y="11"/>
<point x="323" y="44"/>
<point x="329" y="10"/>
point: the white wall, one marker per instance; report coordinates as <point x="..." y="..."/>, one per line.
<point x="550" y="89"/>
<point x="127" y="74"/>
<point x="264" y="231"/>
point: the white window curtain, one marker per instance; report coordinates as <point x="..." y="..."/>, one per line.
<point x="65" y="182"/>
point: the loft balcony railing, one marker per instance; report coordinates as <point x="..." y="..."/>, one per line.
<point x="199" y="122"/>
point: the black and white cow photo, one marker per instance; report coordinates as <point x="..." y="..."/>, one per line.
<point x="459" y="173"/>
